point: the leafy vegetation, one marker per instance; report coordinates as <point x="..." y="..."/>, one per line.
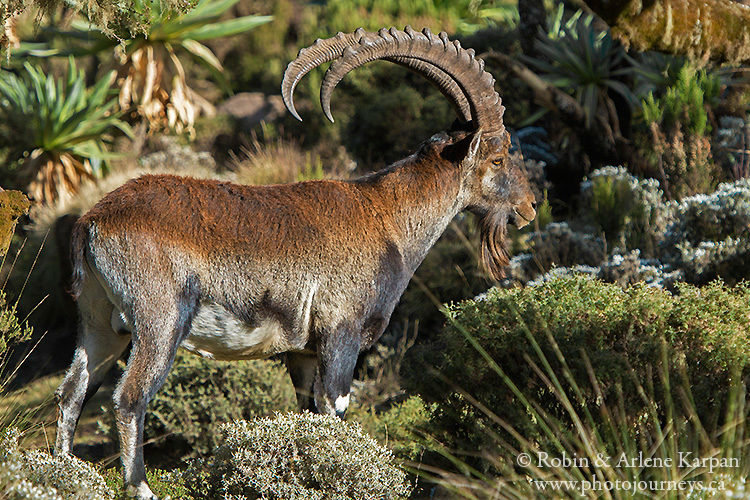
<point x="37" y="475"/>
<point x="587" y="63"/>
<point x="55" y="130"/>
<point x="298" y="456"/>
<point x="583" y="327"/>
<point x="200" y="395"/>
<point x="151" y="78"/>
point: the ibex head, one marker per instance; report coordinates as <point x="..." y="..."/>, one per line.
<point x="493" y="187"/>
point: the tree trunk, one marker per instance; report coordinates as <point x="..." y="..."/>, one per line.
<point x="699" y="29"/>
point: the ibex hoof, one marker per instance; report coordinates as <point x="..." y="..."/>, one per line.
<point x="142" y="492"/>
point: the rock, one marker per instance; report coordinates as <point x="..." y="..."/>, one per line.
<point x="13" y="204"/>
<point x="252" y="108"/>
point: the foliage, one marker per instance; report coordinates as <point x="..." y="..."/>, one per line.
<point x="400" y="427"/>
<point x="709" y="235"/>
<point x="38" y="475"/>
<point x="150" y="75"/>
<point x="298" y="456"/>
<point x="574" y="319"/>
<point x="683" y="101"/>
<point x="56" y="130"/>
<point x="12" y="331"/>
<point x="164" y="484"/>
<point x="557" y="244"/>
<point x="117" y="19"/>
<point x="586" y="63"/>
<point x="677" y="121"/>
<point x="605" y="449"/>
<point x="199" y="395"/>
<point x="630" y="211"/>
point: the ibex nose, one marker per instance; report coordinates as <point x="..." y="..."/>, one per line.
<point x="524" y="213"/>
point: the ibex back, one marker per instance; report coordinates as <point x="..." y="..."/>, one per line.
<point x="312" y="269"/>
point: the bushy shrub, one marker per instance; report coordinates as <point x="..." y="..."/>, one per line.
<point x="708" y="237"/>
<point x="556" y="245"/>
<point x="164" y="484"/>
<point x="298" y="456"/>
<point x="630" y="211"/>
<point x="200" y="394"/>
<point x="401" y="427"/>
<point x="630" y="268"/>
<point x="677" y="148"/>
<point x="11" y="329"/>
<point x="38" y="475"/>
<point x="619" y="330"/>
<point x="281" y="162"/>
<point x="698" y="239"/>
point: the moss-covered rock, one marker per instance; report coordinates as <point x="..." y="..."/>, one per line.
<point x="13" y="204"/>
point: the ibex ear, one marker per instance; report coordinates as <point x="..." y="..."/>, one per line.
<point x="471" y="155"/>
<point x="464" y="152"/>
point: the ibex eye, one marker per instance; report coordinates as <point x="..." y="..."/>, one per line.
<point x="497" y="162"/>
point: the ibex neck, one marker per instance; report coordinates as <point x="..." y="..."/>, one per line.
<point x="417" y="199"/>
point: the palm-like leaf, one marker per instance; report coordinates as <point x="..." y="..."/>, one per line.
<point x="583" y="62"/>
<point x="54" y="127"/>
<point x="150" y="76"/>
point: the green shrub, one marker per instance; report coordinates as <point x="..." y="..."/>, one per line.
<point x="708" y="237"/>
<point x="400" y="427"/>
<point x="600" y="441"/>
<point x="586" y="63"/>
<point x="620" y="331"/>
<point x="12" y="331"/>
<point x="56" y="130"/>
<point x="164" y="484"/>
<point x="677" y="149"/>
<point x="630" y="211"/>
<point x="554" y="246"/>
<point x="200" y="394"/>
<point x="298" y="456"/>
<point x="38" y="475"/>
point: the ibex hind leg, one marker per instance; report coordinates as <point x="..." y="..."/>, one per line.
<point x="98" y="347"/>
<point x="158" y="333"/>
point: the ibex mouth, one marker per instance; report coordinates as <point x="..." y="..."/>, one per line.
<point x="520" y="220"/>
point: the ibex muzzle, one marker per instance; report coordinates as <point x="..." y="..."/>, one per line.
<point x="312" y="269"/>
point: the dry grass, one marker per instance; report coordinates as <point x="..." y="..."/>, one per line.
<point x="280" y="162"/>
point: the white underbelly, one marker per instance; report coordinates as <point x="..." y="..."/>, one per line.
<point x="218" y="334"/>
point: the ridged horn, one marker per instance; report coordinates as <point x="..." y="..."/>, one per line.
<point x="459" y="63"/>
<point x="323" y="51"/>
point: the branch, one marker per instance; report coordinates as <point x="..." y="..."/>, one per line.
<point x="699" y="29"/>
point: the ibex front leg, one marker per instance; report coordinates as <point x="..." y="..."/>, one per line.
<point x="302" y="369"/>
<point x="337" y="356"/>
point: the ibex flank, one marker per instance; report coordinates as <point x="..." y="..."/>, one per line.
<point x="312" y="269"/>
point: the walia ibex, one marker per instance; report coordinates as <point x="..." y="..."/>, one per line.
<point x="312" y="269"/>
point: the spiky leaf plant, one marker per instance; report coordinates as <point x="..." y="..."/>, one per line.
<point x="150" y="75"/>
<point x="56" y="129"/>
<point x="586" y="63"/>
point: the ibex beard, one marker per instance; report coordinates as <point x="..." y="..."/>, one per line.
<point x="312" y="269"/>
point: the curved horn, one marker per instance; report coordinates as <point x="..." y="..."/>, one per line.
<point x="323" y="51"/>
<point x="442" y="80"/>
<point x="457" y="62"/>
